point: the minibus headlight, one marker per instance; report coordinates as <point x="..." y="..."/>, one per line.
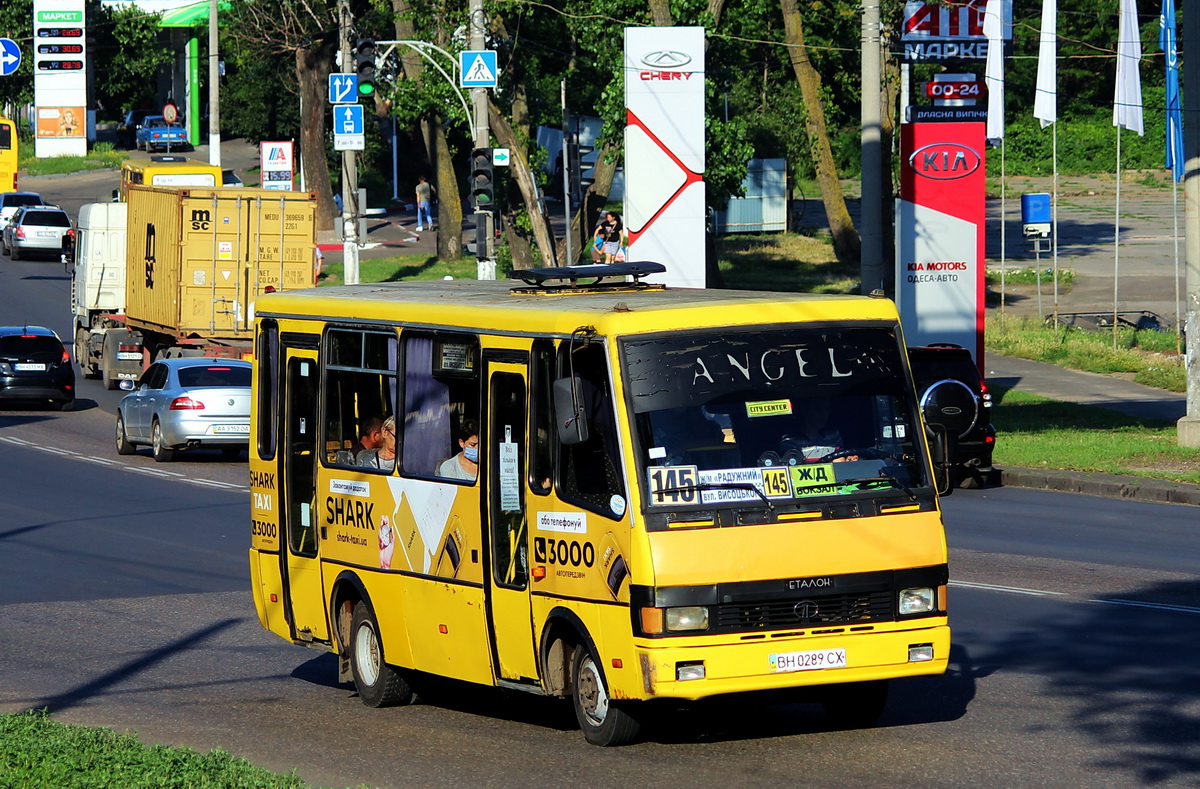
<point x="918" y="600"/>
<point x="687" y="617"/>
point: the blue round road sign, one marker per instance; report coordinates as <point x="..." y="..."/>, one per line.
<point x="10" y="57"/>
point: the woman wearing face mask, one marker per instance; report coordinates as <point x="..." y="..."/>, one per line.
<point x="464" y="465"/>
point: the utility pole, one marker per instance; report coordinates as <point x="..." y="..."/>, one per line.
<point x="570" y="258"/>
<point x="483" y="139"/>
<point x="214" y="88"/>
<point x="350" y="208"/>
<point x="871" y="265"/>
<point x="1188" y="428"/>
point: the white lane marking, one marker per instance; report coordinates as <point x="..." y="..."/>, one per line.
<point x="153" y="472"/>
<point x="1181" y="609"/>
<point x="1011" y="589"/>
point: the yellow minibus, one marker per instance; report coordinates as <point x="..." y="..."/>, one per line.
<point x="9" y="148"/>
<point x="610" y="492"/>
<point x="172" y="172"/>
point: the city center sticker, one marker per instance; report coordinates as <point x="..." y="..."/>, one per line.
<point x="769" y="408"/>
<point x="813" y="479"/>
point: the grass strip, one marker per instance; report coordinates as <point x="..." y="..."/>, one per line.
<point x="37" y="752"/>
<point x="1037" y="432"/>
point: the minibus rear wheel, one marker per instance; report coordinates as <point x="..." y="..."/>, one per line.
<point x="378" y="684"/>
<point x="602" y="720"/>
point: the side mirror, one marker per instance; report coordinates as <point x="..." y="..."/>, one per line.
<point x="126" y="385"/>
<point x="941" y="449"/>
<point x="568" y="411"/>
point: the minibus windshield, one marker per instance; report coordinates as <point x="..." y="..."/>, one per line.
<point x="782" y="414"/>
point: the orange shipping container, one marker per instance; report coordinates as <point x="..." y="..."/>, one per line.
<point x="198" y="258"/>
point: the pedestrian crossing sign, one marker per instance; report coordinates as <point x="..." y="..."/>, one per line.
<point x="477" y="68"/>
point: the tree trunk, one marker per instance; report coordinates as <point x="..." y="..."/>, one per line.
<point x="846" y="243"/>
<point x="312" y="69"/>
<point x="891" y="110"/>
<point x="660" y="13"/>
<point x="450" y="213"/>
<point x="519" y="168"/>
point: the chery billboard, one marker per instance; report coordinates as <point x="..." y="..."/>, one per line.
<point x="940" y="263"/>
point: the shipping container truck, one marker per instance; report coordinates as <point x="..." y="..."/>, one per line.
<point x="175" y="272"/>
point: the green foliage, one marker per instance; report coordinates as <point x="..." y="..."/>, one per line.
<point x="37" y="751"/>
<point x="259" y="97"/>
<point x="128" y="43"/>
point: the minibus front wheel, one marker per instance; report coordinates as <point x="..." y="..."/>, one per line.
<point x="378" y="684"/>
<point x="603" y="721"/>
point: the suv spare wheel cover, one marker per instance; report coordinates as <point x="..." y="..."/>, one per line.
<point x="952" y="405"/>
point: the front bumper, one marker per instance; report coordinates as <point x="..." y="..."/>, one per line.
<point x="745" y="667"/>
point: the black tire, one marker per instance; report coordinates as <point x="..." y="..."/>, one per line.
<point x="162" y="452"/>
<point x="602" y="720"/>
<point x="971" y="479"/>
<point x="378" y="684"/>
<point x="14" y="252"/>
<point x="855" y="705"/>
<point x="124" y="447"/>
<point x="4" y="248"/>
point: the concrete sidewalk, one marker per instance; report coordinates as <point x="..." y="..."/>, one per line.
<point x="1102" y="391"/>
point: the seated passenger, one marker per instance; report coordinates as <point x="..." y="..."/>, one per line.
<point x="384" y="456"/>
<point x="369" y="435"/>
<point x="464" y="465"/>
<point x="816" y="437"/>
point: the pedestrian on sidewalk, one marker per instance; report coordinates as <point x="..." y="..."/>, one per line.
<point x="613" y="232"/>
<point x="425" y="194"/>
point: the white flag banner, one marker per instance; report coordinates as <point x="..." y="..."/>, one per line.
<point x="993" y="28"/>
<point x="1045" y="100"/>
<point x="1127" y="102"/>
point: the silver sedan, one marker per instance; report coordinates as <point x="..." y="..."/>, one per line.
<point x="189" y="403"/>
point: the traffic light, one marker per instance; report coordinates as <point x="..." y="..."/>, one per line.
<point x="483" y="187"/>
<point x="364" y="66"/>
<point x="583" y="151"/>
<point x="574" y="169"/>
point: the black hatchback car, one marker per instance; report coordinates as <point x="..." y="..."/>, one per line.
<point x="954" y="398"/>
<point x="35" y="367"/>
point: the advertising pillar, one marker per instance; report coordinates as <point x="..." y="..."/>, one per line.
<point x="940" y="263"/>
<point x="665" y="199"/>
<point x="59" y="78"/>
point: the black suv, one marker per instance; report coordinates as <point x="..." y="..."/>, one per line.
<point x="35" y="367"/>
<point x="955" y="400"/>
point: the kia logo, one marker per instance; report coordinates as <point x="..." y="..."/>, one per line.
<point x="806" y="609"/>
<point x="945" y="161"/>
<point x="666" y="59"/>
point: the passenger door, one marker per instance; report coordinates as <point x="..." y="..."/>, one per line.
<point x="514" y="651"/>
<point x="305" y="602"/>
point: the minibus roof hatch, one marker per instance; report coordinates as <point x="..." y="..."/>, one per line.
<point x="566" y="278"/>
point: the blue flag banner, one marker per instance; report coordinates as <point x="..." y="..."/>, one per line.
<point x="1166" y="41"/>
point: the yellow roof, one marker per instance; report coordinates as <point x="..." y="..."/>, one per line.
<point x="491" y="306"/>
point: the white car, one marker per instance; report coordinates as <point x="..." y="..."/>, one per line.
<point x="11" y="201"/>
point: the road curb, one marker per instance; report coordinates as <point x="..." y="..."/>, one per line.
<point x="1096" y="484"/>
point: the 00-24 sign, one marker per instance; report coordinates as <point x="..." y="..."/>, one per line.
<point x="954" y="90"/>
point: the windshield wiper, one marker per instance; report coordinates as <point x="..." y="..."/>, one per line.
<point x="718" y="486"/>
<point x="872" y="480"/>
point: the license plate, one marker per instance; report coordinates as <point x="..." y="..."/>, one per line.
<point x="129" y="356"/>
<point x="808" y="661"/>
<point x="30" y="368"/>
<point x="47" y="233"/>
<point x="231" y="428"/>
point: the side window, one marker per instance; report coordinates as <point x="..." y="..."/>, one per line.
<point x="541" y="376"/>
<point x="440" y="437"/>
<point x="267" y="359"/>
<point x="590" y="472"/>
<point x="360" y="398"/>
<point x="157" y="376"/>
